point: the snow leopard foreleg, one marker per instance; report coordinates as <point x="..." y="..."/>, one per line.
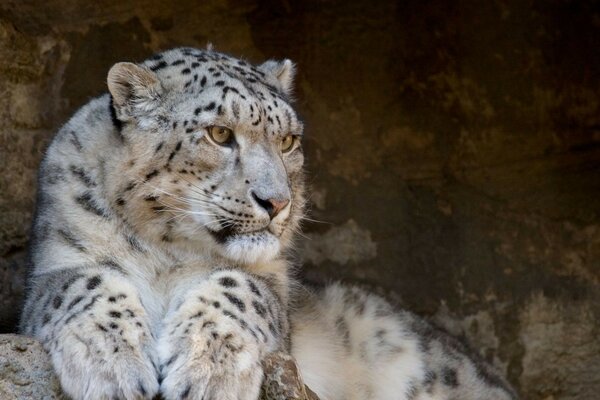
<point x="92" y="323"/>
<point x="217" y="330"/>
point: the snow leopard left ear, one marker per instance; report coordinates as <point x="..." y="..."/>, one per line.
<point x="135" y="90"/>
<point x="283" y="71"/>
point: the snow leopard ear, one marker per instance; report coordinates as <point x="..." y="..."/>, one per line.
<point x="135" y="90"/>
<point x="284" y="71"/>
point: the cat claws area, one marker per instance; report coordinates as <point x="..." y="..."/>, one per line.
<point x="282" y="380"/>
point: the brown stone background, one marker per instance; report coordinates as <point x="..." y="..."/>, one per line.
<point x="453" y="150"/>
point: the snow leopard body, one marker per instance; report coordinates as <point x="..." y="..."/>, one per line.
<point x="164" y="212"/>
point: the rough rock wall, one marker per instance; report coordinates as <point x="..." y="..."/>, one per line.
<point x="453" y="147"/>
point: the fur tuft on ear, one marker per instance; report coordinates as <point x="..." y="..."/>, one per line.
<point x="135" y="90"/>
<point x="283" y="71"/>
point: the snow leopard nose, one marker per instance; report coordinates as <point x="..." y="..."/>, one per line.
<point x="271" y="206"/>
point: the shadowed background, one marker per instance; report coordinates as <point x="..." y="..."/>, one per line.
<point x="453" y="151"/>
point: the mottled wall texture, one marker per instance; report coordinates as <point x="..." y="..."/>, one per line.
<point x="453" y="150"/>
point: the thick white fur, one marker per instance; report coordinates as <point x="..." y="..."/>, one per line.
<point x="131" y="284"/>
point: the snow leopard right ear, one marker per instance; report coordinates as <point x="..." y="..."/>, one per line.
<point x="283" y="71"/>
<point x="135" y="90"/>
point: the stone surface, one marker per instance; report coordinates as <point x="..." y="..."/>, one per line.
<point x="461" y="139"/>
<point x="25" y="370"/>
<point x="26" y="374"/>
<point x="283" y="380"/>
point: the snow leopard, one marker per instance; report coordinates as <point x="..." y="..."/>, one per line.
<point x="159" y="253"/>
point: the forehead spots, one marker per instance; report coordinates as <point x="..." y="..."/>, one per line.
<point x="224" y="89"/>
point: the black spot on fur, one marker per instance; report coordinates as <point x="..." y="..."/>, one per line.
<point x="171" y="360"/>
<point x="93" y="282"/>
<point x="160" y="145"/>
<point x="177" y="62"/>
<point x="74" y="302"/>
<point x="75" y="140"/>
<point x="228" y="282"/>
<point x="235" y="108"/>
<point x="112" y="264"/>
<point x="71" y="240"/>
<point x="186" y="392"/>
<point x="54" y="174"/>
<point x="71" y="281"/>
<point x="178" y="146"/>
<point x="88" y="203"/>
<point x="259" y="308"/>
<point x="57" y="302"/>
<point x="430" y="378"/>
<point x="151" y="174"/>
<point x="208" y="324"/>
<point x="158" y="66"/>
<point x="229" y="314"/>
<point x="134" y="243"/>
<point x="211" y="106"/>
<point x="449" y="377"/>
<point x="83" y="177"/>
<point x="272" y="329"/>
<point x="129" y="186"/>
<point x="254" y="288"/>
<point x="236" y="301"/>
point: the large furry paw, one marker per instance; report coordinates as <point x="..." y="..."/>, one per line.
<point x="104" y="350"/>
<point x="217" y="367"/>
<point x="215" y="336"/>
<point x="91" y="369"/>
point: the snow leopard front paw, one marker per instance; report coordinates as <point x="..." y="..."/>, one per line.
<point x="106" y="352"/>
<point x="215" y="336"/>
<point x="209" y="363"/>
<point x="84" y="375"/>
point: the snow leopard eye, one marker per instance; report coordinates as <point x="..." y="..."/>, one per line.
<point x="220" y="135"/>
<point x="287" y="143"/>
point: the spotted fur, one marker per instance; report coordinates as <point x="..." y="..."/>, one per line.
<point x="157" y="253"/>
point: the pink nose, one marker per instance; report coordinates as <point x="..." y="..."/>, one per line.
<point x="271" y="206"/>
<point x="278" y="205"/>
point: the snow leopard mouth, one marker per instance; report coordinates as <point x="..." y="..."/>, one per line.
<point x="227" y="233"/>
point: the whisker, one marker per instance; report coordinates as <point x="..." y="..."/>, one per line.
<point x="304" y="218"/>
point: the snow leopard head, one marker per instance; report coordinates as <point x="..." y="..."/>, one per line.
<point x="213" y="157"/>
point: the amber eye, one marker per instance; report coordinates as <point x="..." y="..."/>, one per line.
<point x="220" y="134"/>
<point x="287" y="143"/>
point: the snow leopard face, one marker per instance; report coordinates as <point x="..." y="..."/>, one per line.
<point x="213" y="157"/>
